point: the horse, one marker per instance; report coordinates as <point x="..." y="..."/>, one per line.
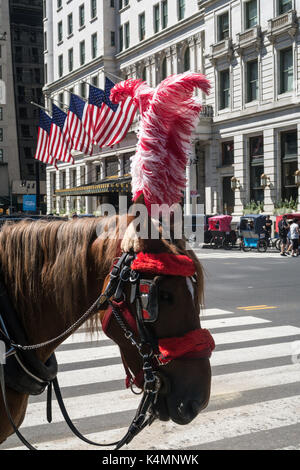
<point x="54" y="270"/>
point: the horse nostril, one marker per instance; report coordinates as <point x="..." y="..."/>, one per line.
<point x="188" y="411"/>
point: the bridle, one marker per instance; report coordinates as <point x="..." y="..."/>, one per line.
<point x="127" y="271"/>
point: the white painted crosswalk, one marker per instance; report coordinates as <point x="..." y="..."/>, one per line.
<point x="255" y="392"/>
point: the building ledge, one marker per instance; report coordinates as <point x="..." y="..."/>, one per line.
<point x="249" y="38"/>
<point x="286" y="23"/>
<point x="220" y="50"/>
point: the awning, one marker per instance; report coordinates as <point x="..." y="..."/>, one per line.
<point x="108" y="185"/>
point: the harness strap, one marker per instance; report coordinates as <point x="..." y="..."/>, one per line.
<point x="18" y="433"/>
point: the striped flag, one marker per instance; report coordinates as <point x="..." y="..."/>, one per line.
<point x="92" y="109"/>
<point x="42" y="151"/>
<point x="60" y="142"/>
<point x="114" y="120"/>
<point x="81" y="139"/>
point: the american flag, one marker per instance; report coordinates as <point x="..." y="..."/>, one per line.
<point x="91" y="111"/>
<point x="42" y="151"/>
<point x="113" y="120"/>
<point x="60" y="142"/>
<point x="81" y="140"/>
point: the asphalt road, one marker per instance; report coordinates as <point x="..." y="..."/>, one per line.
<point x="236" y="282"/>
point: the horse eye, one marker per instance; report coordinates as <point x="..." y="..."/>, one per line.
<point x="166" y="296"/>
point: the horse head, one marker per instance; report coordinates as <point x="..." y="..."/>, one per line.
<point x="158" y="298"/>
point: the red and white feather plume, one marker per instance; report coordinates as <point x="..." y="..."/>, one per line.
<point x="169" y="115"/>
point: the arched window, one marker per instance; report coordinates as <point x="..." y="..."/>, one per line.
<point x="164" y="69"/>
<point x="186" y="60"/>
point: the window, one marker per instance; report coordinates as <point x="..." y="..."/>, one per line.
<point x="112" y="3"/>
<point x="181" y="9"/>
<point x="187" y="60"/>
<point x="30" y="169"/>
<point x="59" y="4"/>
<point x="164" y="13"/>
<point x="223" y="26"/>
<point x="1" y="114"/>
<point x="83" y="90"/>
<point x="70" y="24"/>
<point x="256" y="146"/>
<point x="112" y="38"/>
<point x="1" y="156"/>
<point x="289" y="164"/>
<point x="45" y="41"/>
<point x="121" y="44"/>
<point x="61" y="100"/>
<point x="28" y="152"/>
<point x="60" y="65"/>
<point x="127" y="35"/>
<point x="252" y="81"/>
<point x="46" y="73"/>
<point x="227" y="152"/>
<point x="95" y="81"/>
<point x="120" y="4"/>
<point x="70" y="59"/>
<point x="93" y="8"/>
<point x="44" y="8"/>
<point x="81" y="16"/>
<point x="251" y="18"/>
<point x="59" y="31"/>
<point x="142" y="30"/>
<point x="23" y="113"/>
<point x="82" y="52"/>
<point x="224" y="89"/>
<point x="284" y="6"/>
<point x="164" y="69"/>
<point x="1" y="134"/>
<point x="156" y="17"/>
<point x="94" y="46"/>
<point x="286" y="70"/>
<point x="25" y="130"/>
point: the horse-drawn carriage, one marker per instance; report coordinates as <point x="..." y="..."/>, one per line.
<point x="222" y="235"/>
<point x="253" y="233"/>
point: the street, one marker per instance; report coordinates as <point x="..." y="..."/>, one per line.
<point x="252" y="310"/>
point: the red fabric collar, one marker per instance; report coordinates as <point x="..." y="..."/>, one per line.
<point x="164" y="263"/>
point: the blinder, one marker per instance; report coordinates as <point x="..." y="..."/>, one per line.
<point x="149" y="298"/>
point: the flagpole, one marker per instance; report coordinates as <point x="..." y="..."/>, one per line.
<point x="39" y="106"/>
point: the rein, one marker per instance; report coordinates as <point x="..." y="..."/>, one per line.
<point x="153" y="352"/>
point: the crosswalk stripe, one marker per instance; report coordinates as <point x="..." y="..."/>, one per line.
<point x="224" y="420"/>
<point x="123" y="400"/>
<point x="256" y="334"/>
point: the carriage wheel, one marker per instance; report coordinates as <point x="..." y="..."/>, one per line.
<point x="227" y="244"/>
<point x="245" y="248"/>
<point x="215" y="243"/>
<point x="262" y="246"/>
<point x="278" y="244"/>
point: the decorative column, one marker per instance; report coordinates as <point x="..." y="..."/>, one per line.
<point x="120" y="165"/>
<point x="57" y="210"/>
<point x="152" y="71"/>
<point x="169" y="61"/>
<point x="270" y="167"/>
<point x="192" y="45"/>
<point x="88" y="178"/>
<point x="174" y="59"/>
<point x="68" y="186"/>
<point x="240" y="162"/>
<point x="78" y="183"/>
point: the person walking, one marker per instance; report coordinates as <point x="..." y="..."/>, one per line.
<point x="295" y="237"/>
<point x="283" y="231"/>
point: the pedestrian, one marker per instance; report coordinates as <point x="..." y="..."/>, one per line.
<point x="283" y="229"/>
<point x="268" y="226"/>
<point x="295" y="237"/>
<point x="289" y="241"/>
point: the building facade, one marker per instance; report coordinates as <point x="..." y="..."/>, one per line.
<point x="252" y="60"/>
<point x="246" y="145"/>
<point x="21" y="68"/>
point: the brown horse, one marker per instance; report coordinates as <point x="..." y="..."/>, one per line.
<point x="54" y="271"/>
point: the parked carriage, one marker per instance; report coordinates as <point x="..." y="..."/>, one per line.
<point x="253" y="233"/>
<point x="222" y="235"/>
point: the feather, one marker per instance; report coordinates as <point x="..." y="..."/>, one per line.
<point x="168" y="117"/>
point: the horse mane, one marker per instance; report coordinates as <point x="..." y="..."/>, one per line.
<point x="50" y="262"/>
